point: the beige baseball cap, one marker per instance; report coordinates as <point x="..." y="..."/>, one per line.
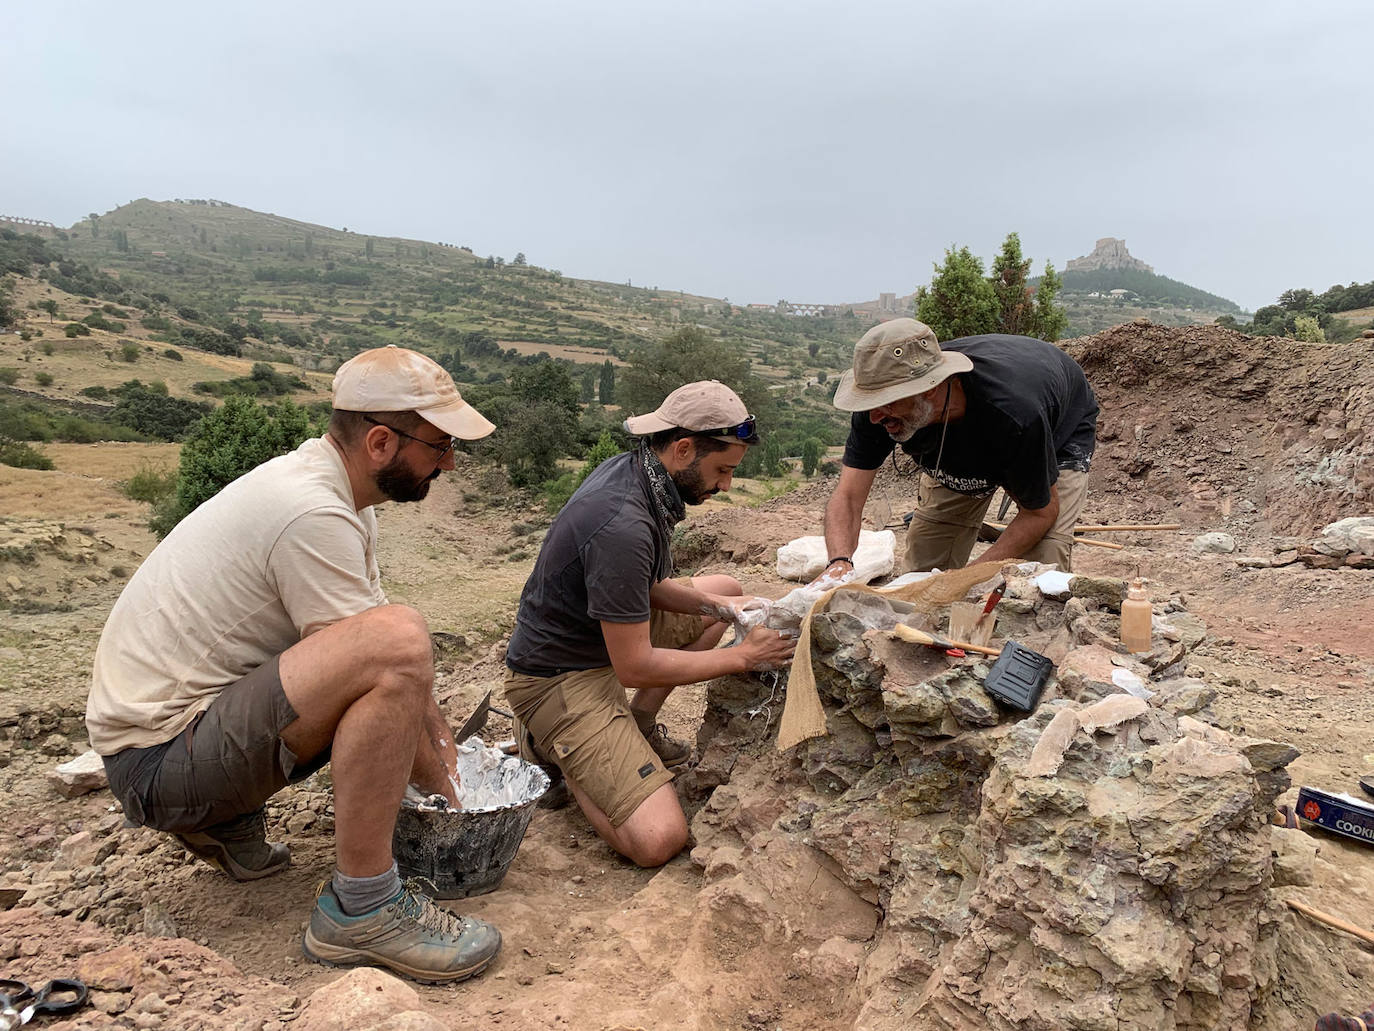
<point x="896" y="359"/>
<point x="700" y="407"/>
<point x="393" y="379"/>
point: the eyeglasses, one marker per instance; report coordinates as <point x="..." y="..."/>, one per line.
<point x="443" y="449"/>
<point x="746" y="431"/>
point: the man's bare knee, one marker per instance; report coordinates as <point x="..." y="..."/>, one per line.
<point x="399" y="639"/>
<point x="656" y="850"/>
<point x="718" y="583"/>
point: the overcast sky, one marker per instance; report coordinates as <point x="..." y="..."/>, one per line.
<point x="818" y="152"/>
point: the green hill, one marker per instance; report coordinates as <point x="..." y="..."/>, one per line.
<point x="1147" y="287"/>
<point x="334" y="292"/>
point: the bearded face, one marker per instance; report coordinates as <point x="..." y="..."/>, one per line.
<point x="902" y="418"/>
<point x="692" y="485"/>
<point x="400" y="483"/>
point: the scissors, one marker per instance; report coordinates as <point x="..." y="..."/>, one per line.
<point x="59" y="996"/>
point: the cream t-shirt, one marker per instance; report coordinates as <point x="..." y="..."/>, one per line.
<point x="275" y="556"/>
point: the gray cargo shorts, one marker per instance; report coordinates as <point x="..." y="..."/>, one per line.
<point x="228" y="762"/>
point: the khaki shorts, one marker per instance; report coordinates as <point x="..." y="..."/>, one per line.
<point x="945" y="525"/>
<point x="581" y="721"/>
<point x="228" y="762"/>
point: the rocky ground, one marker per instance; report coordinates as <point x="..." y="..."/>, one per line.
<point x="805" y="902"/>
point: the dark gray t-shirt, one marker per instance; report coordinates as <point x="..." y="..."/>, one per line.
<point x="1030" y="413"/>
<point x="602" y="554"/>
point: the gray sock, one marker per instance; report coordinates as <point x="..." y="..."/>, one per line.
<point x="358" y="895"/>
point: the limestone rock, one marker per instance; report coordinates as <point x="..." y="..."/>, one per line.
<point x="1184" y="696"/>
<point x="80" y="776"/>
<point x="1295" y="857"/>
<point x="364" y="997"/>
<point x="1215" y="543"/>
<point x="1353" y="534"/>
<point x="1106" y="591"/>
<point x="1108" y="253"/>
<point x="805" y="558"/>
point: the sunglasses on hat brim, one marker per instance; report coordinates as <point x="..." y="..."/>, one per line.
<point x="745" y="432"/>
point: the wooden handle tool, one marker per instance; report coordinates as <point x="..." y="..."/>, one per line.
<point x="910" y="633"/>
<point x="1330" y="921"/>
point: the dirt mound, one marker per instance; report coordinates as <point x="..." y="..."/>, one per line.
<point x="1205" y="421"/>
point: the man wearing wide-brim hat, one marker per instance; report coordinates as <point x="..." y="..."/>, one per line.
<point x="975" y="414"/>
<point x="255" y="645"/>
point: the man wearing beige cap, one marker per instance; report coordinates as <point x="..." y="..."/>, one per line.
<point x="255" y="645"/>
<point x="601" y="613"/>
<point x="979" y="413"/>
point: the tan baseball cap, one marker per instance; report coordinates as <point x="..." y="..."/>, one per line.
<point x="393" y="379"/>
<point x="700" y="407"/>
<point x="896" y="359"/>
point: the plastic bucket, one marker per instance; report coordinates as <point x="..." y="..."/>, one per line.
<point x="466" y="851"/>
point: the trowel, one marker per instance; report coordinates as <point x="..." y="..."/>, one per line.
<point x="475" y="723"/>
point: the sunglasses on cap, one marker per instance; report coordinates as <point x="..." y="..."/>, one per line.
<point x="746" y="431"/>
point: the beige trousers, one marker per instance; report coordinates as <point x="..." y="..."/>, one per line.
<point x="946" y="523"/>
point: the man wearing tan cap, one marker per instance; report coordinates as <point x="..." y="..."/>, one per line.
<point x="255" y="645"/>
<point x="979" y="413"/>
<point x="601" y="613"/>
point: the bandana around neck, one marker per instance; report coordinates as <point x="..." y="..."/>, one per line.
<point x="668" y="506"/>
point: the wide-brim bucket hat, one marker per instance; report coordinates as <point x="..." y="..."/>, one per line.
<point x="896" y="359"/>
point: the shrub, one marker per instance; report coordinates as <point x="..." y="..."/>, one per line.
<point x="150" y="483"/>
<point x="22" y="455"/>
<point x="98" y="393"/>
<point x="156" y="323"/>
<point x="128" y="351"/>
<point x="47" y="349"/>
<point x="76" y="329"/>
<point x="43" y="379"/>
<point x="227" y="443"/>
<point x="9" y="376"/>
<point x="173" y="354"/>
<point x="149" y="411"/>
<point x="98" y="321"/>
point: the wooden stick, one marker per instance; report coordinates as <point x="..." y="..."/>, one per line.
<point x="1108" y="529"/>
<point x="1142" y="527"/>
<point x="1331" y="921"/>
<point x="910" y="633"/>
<point x="1099" y="544"/>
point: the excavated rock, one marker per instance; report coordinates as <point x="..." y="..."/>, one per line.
<point x="1104" y="862"/>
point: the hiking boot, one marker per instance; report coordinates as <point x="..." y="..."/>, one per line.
<point x="558" y="794"/>
<point x="410" y="935"/>
<point x="672" y="751"/>
<point x="239" y="847"/>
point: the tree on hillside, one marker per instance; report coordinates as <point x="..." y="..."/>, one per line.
<point x="1050" y="318"/>
<point x="50" y="306"/>
<point x="536" y="417"/>
<point x="687" y="355"/>
<point x="1010" y="272"/>
<point x="588" y="380"/>
<point x="959" y="302"/>
<point x="606" y="388"/>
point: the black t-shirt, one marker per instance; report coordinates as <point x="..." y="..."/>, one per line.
<point x="599" y="559"/>
<point x="1030" y="412"/>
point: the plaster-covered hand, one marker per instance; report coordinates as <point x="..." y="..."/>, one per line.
<point x="766" y="649"/>
<point x="839" y="572"/>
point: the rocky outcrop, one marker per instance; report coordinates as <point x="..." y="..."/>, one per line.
<point x="936" y="861"/>
<point x="1110" y="253"/>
